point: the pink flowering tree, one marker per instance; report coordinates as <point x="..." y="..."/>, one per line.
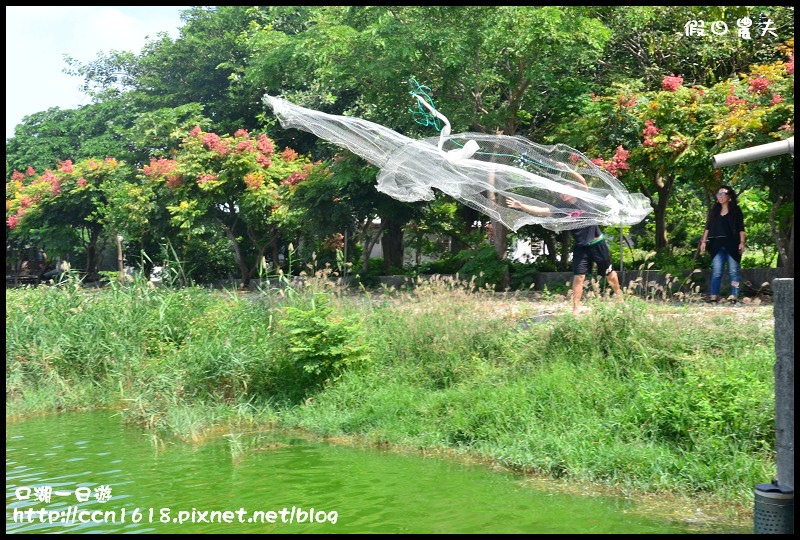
<point x="675" y="146"/>
<point x="649" y="139"/>
<point x="65" y="209"/>
<point x="759" y="109"/>
<point x="239" y="185"/>
<point x="670" y="135"/>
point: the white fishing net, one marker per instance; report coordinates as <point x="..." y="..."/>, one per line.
<point x="479" y="170"/>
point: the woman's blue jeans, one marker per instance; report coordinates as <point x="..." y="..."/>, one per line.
<point x="717" y="266"/>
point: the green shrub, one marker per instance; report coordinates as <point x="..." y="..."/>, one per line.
<point x="483" y="266"/>
<point x="523" y="275"/>
<point x="318" y="346"/>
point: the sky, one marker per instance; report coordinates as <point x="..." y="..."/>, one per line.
<point x="38" y="37"/>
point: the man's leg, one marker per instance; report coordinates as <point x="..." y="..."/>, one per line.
<point x="613" y="280"/>
<point x="581" y="265"/>
<point x="577" y="292"/>
<point x="605" y="267"/>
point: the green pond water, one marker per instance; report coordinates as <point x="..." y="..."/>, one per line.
<point x="106" y="477"/>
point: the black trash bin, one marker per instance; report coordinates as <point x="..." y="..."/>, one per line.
<point x="774" y="509"/>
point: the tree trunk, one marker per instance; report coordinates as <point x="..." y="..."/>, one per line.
<point x="369" y="240"/>
<point x="237" y="255"/>
<point x="276" y="256"/>
<point x="499" y="234"/>
<point x="392" y="244"/>
<point x="92" y="262"/>
<point x="785" y="249"/>
<point x="663" y="188"/>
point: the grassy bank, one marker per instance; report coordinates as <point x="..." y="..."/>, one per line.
<point x="660" y="398"/>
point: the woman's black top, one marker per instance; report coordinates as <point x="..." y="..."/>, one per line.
<point x="723" y="231"/>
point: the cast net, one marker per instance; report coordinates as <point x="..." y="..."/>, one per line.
<point x="480" y="170"/>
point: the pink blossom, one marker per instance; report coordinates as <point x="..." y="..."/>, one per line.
<point x="65" y="166"/>
<point x="222" y="148"/>
<point x="265" y="145"/>
<point x="776" y="98"/>
<point x="620" y="160"/>
<point x="195" y="131"/>
<point x="174" y="181"/>
<point x="244" y="146"/>
<point x="628" y="100"/>
<point x="160" y="167"/>
<point x="759" y="85"/>
<point x="600" y="162"/>
<point x="111" y="162"/>
<point x="48" y="176"/>
<point x="790" y="66"/>
<point x="55" y="187"/>
<point x="203" y="178"/>
<point x="81" y="181"/>
<point x="210" y="140"/>
<point x="30" y="171"/>
<point x="264" y="161"/>
<point x="12" y="222"/>
<point x="650" y="129"/>
<point x="288" y="154"/>
<point x="294" y="179"/>
<point x="671" y="82"/>
<point x="678" y="144"/>
<point x="16" y="175"/>
<point x="241" y="133"/>
<point x="732" y="101"/>
<point x="617" y="164"/>
<point x="254" y="181"/>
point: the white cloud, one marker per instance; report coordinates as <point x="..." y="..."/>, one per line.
<point x="38" y="37"/>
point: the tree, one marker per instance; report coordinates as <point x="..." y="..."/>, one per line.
<point x="511" y="71"/>
<point x="759" y="109"/>
<point x="98" y="129"/>
<point x="65" y="208"/>
<point x="236" y="184"/>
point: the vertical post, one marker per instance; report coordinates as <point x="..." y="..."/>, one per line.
<point x="120" y="260"/>
<point x="774" y="502"/>
<point x="344" y="270"/>
<point x="784" y="380"/>
<point x="621" y="250"/>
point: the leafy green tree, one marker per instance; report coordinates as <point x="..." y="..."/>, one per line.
<point x="511" y="71"/>
<point x="64" y="208"/>
<point x="98" y="129"/>
<point x="235" y="184"/>
<point x="759" y="109"/>
<point x="649" y="41"/>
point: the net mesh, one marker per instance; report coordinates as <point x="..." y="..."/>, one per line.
<point x="479" y="170"/>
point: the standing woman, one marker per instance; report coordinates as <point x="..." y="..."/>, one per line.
<point x="724" y="235"/>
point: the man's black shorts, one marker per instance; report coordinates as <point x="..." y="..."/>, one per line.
<point x="584" y="256"/>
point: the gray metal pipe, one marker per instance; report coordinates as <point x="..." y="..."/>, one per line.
<point x="754" y="152"/>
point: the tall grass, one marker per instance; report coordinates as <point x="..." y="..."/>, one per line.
<point x="653" y="396"/>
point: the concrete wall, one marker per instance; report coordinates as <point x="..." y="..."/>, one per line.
<point x="753" y="280"/>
